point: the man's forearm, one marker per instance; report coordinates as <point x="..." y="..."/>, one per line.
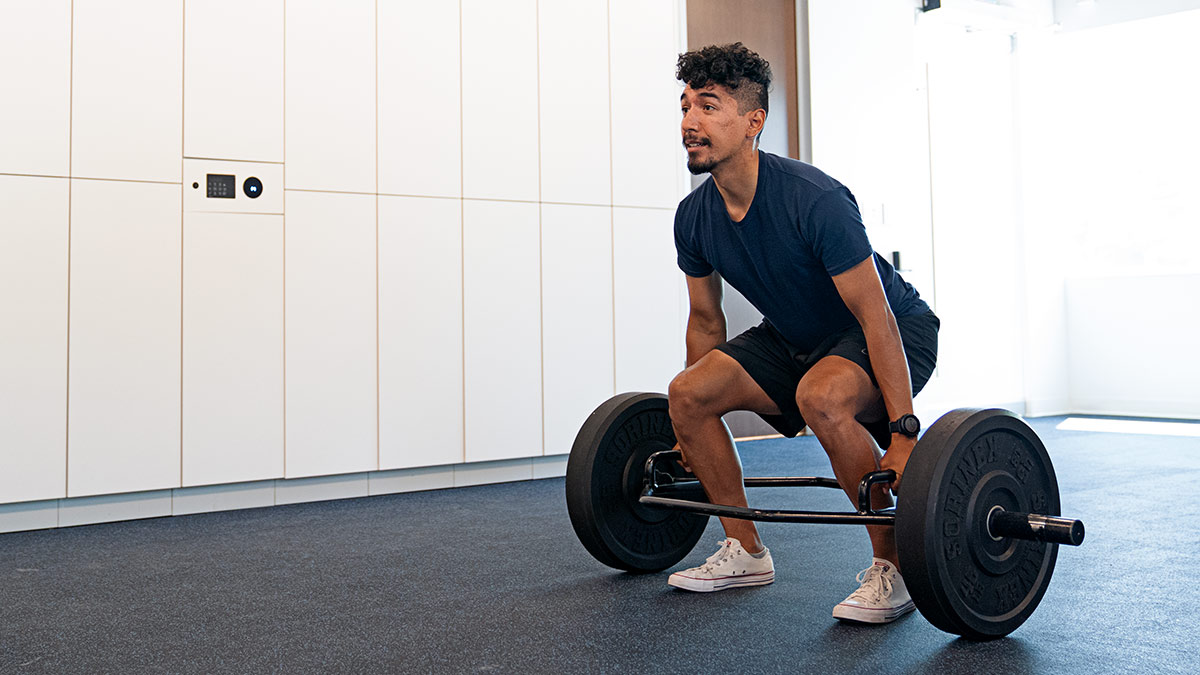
<point x="701" y="339"/>
<point x="890" y="365"/>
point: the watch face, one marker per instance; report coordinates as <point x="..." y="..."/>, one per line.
<point x="911" y="424"/>
<point x="908" y="425"/>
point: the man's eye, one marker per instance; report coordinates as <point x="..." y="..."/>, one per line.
<point x="710" y="107"/>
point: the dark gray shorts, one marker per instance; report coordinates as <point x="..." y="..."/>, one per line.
<point x="777" y="366"/>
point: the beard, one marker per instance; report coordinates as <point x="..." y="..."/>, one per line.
<point x="697" y="167"/>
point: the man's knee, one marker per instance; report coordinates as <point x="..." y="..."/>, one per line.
<point x="828" y="399"/>
<point x="687" y="396"/>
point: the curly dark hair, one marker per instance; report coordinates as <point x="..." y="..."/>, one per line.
<point x="746" y="74"/>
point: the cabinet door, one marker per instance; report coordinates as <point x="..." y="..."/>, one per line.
<point x="573" y="86"/>
<point x="502" y="336"/>
<point x="124" y="386"/>
<point x="420" y="108"/>
<point x="500" y="93"/>
<point x="33" y="340"/>
<point x="35" y="46"/>
<point x="330" y="102"/>
<point x="647" y="150"/>
<point x="232" y="347"/>
<point x="577" y="317"/>
<point x="420" y="332"/>
<point x="233" y="80"/>
<point x="127" y="90"/>
<point x="649" y="300"/>
<point x="330" y="333"/>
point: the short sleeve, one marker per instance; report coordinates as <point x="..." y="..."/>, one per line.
<point x="836" y="232"/>
<point x="689" y="258"/>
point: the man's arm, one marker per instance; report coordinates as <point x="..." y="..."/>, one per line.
<point x="706" y="318"/>
<point x="862" y="291"/>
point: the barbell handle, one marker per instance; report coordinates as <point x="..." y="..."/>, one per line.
<point x="864" y="488"/>
<point x="1035" y="527"/>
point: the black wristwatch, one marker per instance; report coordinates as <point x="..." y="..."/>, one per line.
<point x="907" y="425"/>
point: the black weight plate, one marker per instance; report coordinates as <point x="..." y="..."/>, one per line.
<point x="604" y="481"/>
<point x="961" y="578"/>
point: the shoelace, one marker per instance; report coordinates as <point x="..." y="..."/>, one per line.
<point x="719" y="557"/>
<point x="875" y="585"/>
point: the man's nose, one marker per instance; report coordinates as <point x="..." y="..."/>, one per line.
<point x="689" y="122"/>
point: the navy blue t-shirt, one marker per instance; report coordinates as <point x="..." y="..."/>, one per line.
<point x="802" y="229"/>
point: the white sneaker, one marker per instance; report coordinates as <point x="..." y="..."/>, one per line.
<point x="729" y="567"/>
<point x="881" y="598"/>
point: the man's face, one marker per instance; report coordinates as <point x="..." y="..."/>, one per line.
<point x="712" y="128"/>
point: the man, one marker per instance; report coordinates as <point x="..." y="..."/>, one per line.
<point x="844" y="345"/>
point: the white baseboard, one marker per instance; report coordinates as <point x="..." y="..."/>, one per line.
<point x="410" y="480"/>
<point x="111" y="508"/>
<point x="52" y="513"/>
<point x="1048" y="407"/>
<point x="550" y="466"/>
<point x="29" y="516"/>
<point x="212" y="498"/>
<point x="485" y="473"/>
<point x="321" y="488"/>
<point x="1114" y="407"/>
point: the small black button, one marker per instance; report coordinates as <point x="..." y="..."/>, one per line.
<point x="252" y="187"/>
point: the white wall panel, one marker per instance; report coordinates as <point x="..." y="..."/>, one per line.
<point x="573" y="85"/>
<point x="502" y="331"/>
<point x="34" y="228"/>
<point x="330" y="333"/>
<point x="127" y="90"/>
<point x="1107" y="376"/>
<point x="330" y="102"/>
<point x="647" y="150"/>
<point x="648" y="284"/>
<point x="420" y="107"/>
<point x="420" y="332"/>
<point x="35" y="126"/>
<point x="232" y="348"/>
<point x="577" y="318"/>
<point x="975" y="217"/>
<point x="500" y="93"/>
<point x="233" y="80"/>
<point x="123" y="426"/>
<point x="869" y="122"/>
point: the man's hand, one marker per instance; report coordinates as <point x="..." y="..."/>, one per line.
<point x="682" y="460"/>
<point x="897" y="457"/>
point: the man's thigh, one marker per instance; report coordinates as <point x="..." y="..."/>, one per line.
<point x="719" y="384"/>
<point x="839" y="385"/>
<point x="776" y="367"/>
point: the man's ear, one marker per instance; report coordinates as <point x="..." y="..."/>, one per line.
<point x="758" y="119"/>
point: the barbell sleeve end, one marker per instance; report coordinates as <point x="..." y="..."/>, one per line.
<point x="1035" y="527"/>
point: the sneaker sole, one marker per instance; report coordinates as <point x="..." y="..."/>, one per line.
<point x="720" y="583"/>
<point x="872" y="614"/>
